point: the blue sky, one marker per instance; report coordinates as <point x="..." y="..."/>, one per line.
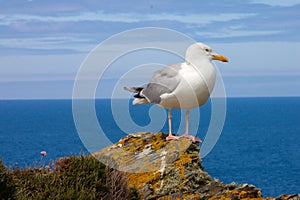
<point x="43" y="43"/>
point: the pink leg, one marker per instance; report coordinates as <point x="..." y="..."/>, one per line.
<point x="170" y="136"/>
<point x="186" y="134"/>
<point x="187" y="116"/>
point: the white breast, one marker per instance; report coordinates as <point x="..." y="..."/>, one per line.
<point x="194" y="88"/>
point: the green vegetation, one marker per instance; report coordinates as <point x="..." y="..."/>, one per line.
<point x="75" y="177"/>
<point x="7" y="186"/>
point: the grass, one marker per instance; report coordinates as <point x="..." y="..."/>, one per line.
<point x="74" y="177"/>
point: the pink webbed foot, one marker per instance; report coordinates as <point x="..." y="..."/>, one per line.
<point x="192" y="138"/>
<point x="172" y="137"/>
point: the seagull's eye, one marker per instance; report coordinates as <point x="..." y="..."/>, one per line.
<point x="207" y="50"/>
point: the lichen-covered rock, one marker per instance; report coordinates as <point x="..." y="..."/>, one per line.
<point x="289" y="197"/>
<point x="171" y="170"/>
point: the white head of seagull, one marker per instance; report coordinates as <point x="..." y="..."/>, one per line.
<point x="183" y="86"/>
<point x="198" y="52"/>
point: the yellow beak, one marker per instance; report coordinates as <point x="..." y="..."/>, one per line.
<point x="220" y="57"/>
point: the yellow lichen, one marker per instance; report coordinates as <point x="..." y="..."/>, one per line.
<point x="243" y="194"/>
<point x="232" y="193"/>
<point x="133" y="144"/>
<point x="183" y="183"/>
<point x="219" y="198"/>
<point x="138" y="180"/>
<point x="181" y="162"/>
<point x="158" y="141"/>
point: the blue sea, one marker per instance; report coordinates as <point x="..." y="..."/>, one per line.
<point x="259" y="144"/>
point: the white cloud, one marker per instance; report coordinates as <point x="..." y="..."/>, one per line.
<point x="228" y="33"/>
<point x="125" y="17"/>
<point x="277" y="2"/>
<point x="200" y="19"/>
<point x="47" y="43"/>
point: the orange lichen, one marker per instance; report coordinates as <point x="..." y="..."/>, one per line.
<point x="181" y="162"/>
<point x="234" y="193"/>
<point x="158" y="141"/>
<point x="183" y="183"/>
<point x="138" y="180"/>
<point x="219" y="198"/>
<point x="189" y="196"/>
<point x="132" y="144"/>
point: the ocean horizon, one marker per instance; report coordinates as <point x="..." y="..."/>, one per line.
<point x="259" y="143"/>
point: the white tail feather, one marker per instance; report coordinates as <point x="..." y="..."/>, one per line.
<point x="140" y="101"/>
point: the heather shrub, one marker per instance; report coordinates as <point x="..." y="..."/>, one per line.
<point x="7" y="187"/>
<point x="81" y="177"/>
<point x="75" y="177"/>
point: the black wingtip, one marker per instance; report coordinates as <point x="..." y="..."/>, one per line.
<point x="138" y="96"/>
<point x="134" y="89"/>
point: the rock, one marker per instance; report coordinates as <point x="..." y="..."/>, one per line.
<point x="171" y="170"/>
<point x="289" y="197"/>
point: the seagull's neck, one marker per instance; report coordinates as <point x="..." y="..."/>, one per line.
<point x="199" y="63"/>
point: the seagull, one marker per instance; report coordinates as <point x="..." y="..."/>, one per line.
<point x="184" y="85"/>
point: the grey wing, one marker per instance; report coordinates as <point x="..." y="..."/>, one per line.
<point x="163" y="81"/>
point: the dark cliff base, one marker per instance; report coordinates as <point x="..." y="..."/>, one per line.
<point x="171" y="170"/>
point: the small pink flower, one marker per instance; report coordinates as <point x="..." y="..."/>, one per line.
<point x="43" y="153"/>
